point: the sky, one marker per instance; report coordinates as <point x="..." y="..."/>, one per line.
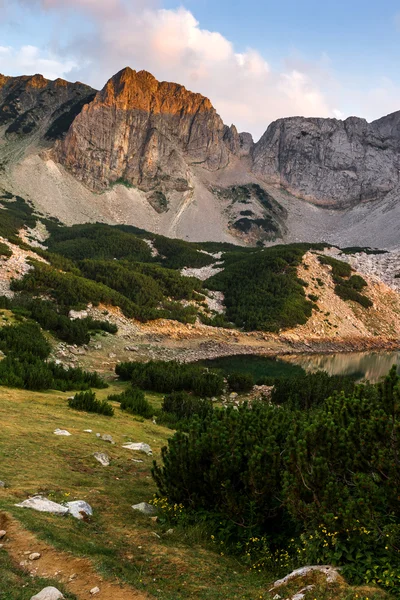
<point x="257" y="60"/>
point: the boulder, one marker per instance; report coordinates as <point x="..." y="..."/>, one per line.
<point x="79" y="509"/>
<point x="145" y="508"/>
<point x="103" y="458"/>
<point x="43" y="505"/>
<point x="331" y="574"/>
<point x="139" y="447"/>
<point x="48" y="593"/>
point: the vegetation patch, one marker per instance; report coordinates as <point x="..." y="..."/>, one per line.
<point x="88" y="402"/>
<point x="167" y="377"/>
<point x="347" y="286"/>
<point x="262" y="290"/>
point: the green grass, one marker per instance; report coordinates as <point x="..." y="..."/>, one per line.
<point x="119" y="541"/>
<point x="36" y="461"/>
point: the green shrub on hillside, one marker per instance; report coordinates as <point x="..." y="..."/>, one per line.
<point x="134" y="401"/>
<point x="97" y="241"/>
<point x="88" y="402"/>
<point x="339" y="268"/>
<point x="323" y="481"/>
<point x="310" y="389"/>
<point x="240" y="382"/>
<point x="26" y="363"/>
<point x="166" y="377"/>
<point x="185" y="406"/>
<point x="262" y="290"/>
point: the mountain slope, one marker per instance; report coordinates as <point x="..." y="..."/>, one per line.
<point x="155" y="155"/>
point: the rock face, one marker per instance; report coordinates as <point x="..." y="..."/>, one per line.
<point x="34" y="105"/>
<point x="141" y="132"/>
<point x="331" y="162"/>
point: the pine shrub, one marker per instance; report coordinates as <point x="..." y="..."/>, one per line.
<point x="88" y="402"/>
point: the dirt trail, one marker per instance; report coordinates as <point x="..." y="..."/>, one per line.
<point x="77" y="574"/>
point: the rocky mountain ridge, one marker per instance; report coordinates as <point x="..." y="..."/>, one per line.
<point x="155" y="155"/>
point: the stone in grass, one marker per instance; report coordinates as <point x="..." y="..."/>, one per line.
<point x="2" y="484"/>
<point x="103" y="458"/>
<point x="107" y="438"/>
<point x="48" y="593"/>
<point x="43" y="505"/>
<point x="79" y="509"/>
<point x="95" y="591"/>
<point x="61" y="432"/>
<point x="87" y="430"/>
<point x="3" y="533"/>
<point x="139" y="447"/>
<point x="145" y="508"/>
<point x="34" y="556"/>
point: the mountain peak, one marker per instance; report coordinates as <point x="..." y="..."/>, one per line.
<point x="140" y="90"/>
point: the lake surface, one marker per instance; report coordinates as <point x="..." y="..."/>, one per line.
<point x="362" y="365"/>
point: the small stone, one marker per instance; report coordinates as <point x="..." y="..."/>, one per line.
<point x="137" y="460"/>
<point x="3" y="533"/>
<point x="95" y="591"/>
<point x="107" y="438"/>
<point x="87" y="430"/>
<point x="48" y="593"/>
<point x="103" y="458"/>
<point x="155" y="535"/>
<point x="34" y="556"/>
<point x="98" y="435"/>
<point x="61" y="432"/>
<point x="1" y="546"/>
<point x="169" y="532"/>
<point x="2" y="484"/>
<point x="154" y="519"/>
<point x="145" y="508"/>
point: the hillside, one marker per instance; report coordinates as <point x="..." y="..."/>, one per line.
<point x="155" y="155"/>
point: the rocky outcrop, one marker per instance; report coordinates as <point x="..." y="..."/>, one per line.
<point x="33" y="104"/>
<point x="330" y="162"/>
<point x="141" y="132"/>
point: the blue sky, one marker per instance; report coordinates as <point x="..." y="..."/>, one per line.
<point x="256" y="60"/>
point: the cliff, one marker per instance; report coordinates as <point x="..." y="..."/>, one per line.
<point x="146" y="133"/>
<point x="330" y="162"/>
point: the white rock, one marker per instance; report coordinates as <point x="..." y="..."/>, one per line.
<point x="79" y="509"/>
<point x="169" y="532"/>
<point x="98" y="435"/>
<point x="43" y="505"/>
<point x="330" y="573"/>
<point x="95" y="591"/>
<point x="34" y="556"/>
<point x="3" y="534"/>
<point x="48" y="593"/>
<point x="103" y="458"/>
<point x="2" y="484"/>
<point x="61" y="432"/>
<point x="139" y="447"/>
<point x="87" y="430"/>
<point x="107" y="438"/>
<point x="145" y="508"/>
<point x="137" y="460"/>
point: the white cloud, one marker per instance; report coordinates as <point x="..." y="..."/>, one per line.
<point x="29" y="60"/>
<point x="171" y="44"/>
